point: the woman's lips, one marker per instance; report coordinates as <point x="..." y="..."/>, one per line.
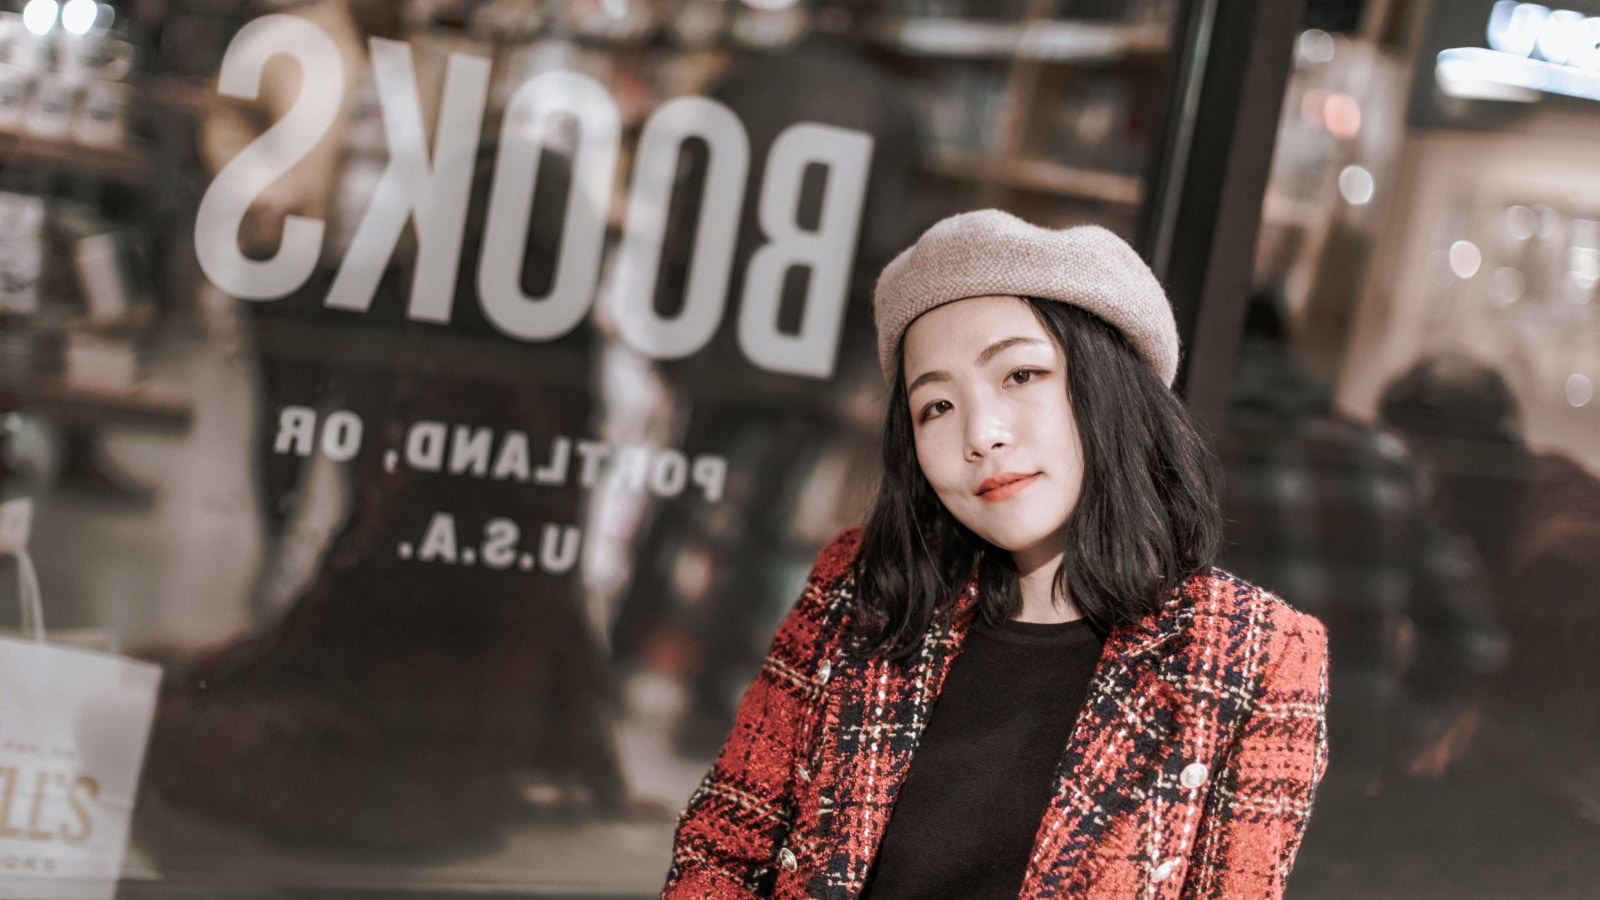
<point x="1004" y="486"/>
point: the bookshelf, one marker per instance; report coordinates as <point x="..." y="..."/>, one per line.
<point x="123" y="166"/>
<point x="1039" y="113"/>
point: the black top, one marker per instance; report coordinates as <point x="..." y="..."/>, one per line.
<point x="984" y="771"/>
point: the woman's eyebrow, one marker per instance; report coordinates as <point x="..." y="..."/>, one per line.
<point x="990" y="351"/>
<point x="927" y="378"/>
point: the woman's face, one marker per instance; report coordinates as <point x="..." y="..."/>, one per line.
<point x="993" y="423"/>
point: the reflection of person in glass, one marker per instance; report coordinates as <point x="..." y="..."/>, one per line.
<point x="1113" y="714"/>
<point x="1337" y="514"/>
<point x="773" y="423"/>
<point x="1534" y="517"/>
<point x="416" y="694"/>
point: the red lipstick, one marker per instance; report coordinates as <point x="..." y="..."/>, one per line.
<point x="1005" y="485"/>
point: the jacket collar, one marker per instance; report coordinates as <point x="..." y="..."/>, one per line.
<point x="1163" y="632"/>
<point x="1151" y="637"/>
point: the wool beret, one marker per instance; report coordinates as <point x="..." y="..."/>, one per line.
<point x="987" y="252"/>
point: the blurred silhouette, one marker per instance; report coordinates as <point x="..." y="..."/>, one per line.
<point x="1535" y="517"/>
<point x="1332" y="513"/>
<point x="776" y="429"/>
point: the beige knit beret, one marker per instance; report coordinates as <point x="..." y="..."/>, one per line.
<point x="977" y="254"/>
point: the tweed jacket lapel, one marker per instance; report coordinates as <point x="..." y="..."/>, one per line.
<point x="1159" y="704"/>
<point x="880" y="711"/>
<point x="1124" y="725"/>
<point x="1112" y="759"/>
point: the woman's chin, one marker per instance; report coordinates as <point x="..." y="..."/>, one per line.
<point x="1021" y="544"/>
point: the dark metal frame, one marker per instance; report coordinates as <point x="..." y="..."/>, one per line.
<point x="1208" y="174"/>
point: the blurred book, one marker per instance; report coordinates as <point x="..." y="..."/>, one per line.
<point x="102" y="261"/>
<point x="111" y="358"/>
<point x="27" y="351"/>
<point x="21" y="251"/>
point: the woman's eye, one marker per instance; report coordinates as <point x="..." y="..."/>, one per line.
<point x="936" y="408"/>
<point x="1023" y="376"/>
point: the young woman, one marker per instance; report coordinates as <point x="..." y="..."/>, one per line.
<point x="1023" y="677"/>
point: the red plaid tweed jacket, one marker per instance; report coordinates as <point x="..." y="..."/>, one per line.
<point x="1189" y="773"/>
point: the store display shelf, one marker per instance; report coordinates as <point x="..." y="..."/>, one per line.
<point x="116" y="164"/>
<point x="1044" y="176"/>
<point x="147" y="405"/>
<point x="1050" y="41"/>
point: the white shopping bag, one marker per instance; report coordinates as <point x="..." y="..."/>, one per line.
<point x="73" y="728"/>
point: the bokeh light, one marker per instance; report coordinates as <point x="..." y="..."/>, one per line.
<point x="40" y="16"/>
<point x="1465" y="258"/>
<point x="1580" y="390"/>
<point x="1356" y="185"/>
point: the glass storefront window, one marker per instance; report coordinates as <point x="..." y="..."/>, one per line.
<point x="450" y="395"/>
<point x="1413" y="444"/>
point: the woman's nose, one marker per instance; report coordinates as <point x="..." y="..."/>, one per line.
<point x="986" y="436"/>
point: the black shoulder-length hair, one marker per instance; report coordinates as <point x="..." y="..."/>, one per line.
<point x="1146" y="516"/>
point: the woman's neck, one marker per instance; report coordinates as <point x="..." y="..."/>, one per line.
<point x="1040" y="602"/>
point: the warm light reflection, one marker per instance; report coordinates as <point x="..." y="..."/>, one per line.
<point x="1356" y="185"/>
<point x="1316" y="46"/>
<point x="1521" y="222"/>
<point x="1580" y="390"/>
<point x="1508" y="285"/>
<point x="1342" y="115"/>
<point x="1465" y="258"/>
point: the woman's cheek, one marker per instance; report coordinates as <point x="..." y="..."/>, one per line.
<point x="939" y="450"/>
<point x="948" y="495"/>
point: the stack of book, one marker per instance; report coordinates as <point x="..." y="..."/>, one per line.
<point x="108" y="358"/>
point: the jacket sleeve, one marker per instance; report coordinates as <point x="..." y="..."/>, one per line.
<point x="1261" y="799"/>
<point x="728" y="837"/>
